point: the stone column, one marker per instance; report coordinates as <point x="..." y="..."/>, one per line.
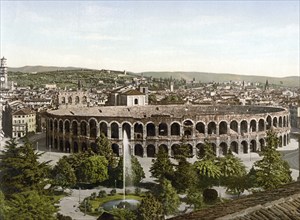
<point x="120" y="133"/>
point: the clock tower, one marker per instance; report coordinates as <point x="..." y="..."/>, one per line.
<point x="3" y="74"/>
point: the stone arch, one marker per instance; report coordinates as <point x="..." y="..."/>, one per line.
<point x="93" y="128"/>
<point x="223" y="127"/>
<point x="77" y="100"/>
<point x="136" y="101"/>
<point x="67" y="146"/>
<point x="84" y="147"/>
<point x="75" y="147"/>
<point x="269" y="122"/>
<point x="114" y="127"/>
<point x="245" y="147"/>
<point x="138" y="150"/>
<point x="138" y="130"/>
<point x="150" y="127"/>
<point x="126" y="126"/>
<point x="234" y="126"/>
<point x="190" y="150"/>
<point x="60" y="126"/>
<point x="115" y="149"/>
<point x="103" y="128"/>
<point x="284" y="140"/>
<point x="164" y="147"/>
<point x="275" y="122"/>
<point x="51" y="125"/>
<point x="223" y="148"/>
<point x="188" y="122"/>
<point x="174" y="149"/>
<point x="163" y="129"/>
<point x="280" y="121"/>
<point x="70" y="100"/>
<point x="262" y="144"/>
<point x="83" y="128"/>
<point x="150" y="150"/>
<point x="93" y="146"/>
<point x="67" y="126"/>
<point x="200" y="127"/>
<point x="55" y="124"/>
<point x="234" y="147"/>
<point x="201" y="150"/>
<point x="253" y="125"/>
<point x="211" y="127"/>
<point x="187" y="127"/>
<point x="75" y="127"/>
<point x="244" y="126"/>
<point x="261" y="125"/>
<point x="175" y="128"/>
<point x="253" y="146"/>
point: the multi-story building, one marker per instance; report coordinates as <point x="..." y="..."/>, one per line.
<point x="3" y="74"/>
<point x="23" y="122"/>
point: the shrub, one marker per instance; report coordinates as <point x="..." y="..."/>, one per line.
<point x="137" y="191"/>
<point x="102" y="194"/>
<point x="127" y="191"/>
<point x="113" y="192"/>
<point x="93" y="195"/>
<point x="210" y="195"/>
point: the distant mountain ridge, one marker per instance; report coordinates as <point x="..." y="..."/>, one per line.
<point x="30" y="69"/>
<point x="205" y="77"/>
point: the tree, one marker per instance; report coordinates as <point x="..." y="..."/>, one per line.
<point x="271" y="171"/>
<point x="162" y="166"/>
<point x="63" y="174"/>
<point x="103" y="148"/>
<point x="123" y="214"/>
<point x="4" y="209"/>
<point x="93" y="169"/>
<point x="168" y="197"/>
<point x="185" y="176"/>
<point x="30" y="205"/>
<point x="150" y="208"/>
<point x="137" y="171"/>
<point x="21" y="170"/>
<point x="194" y="197"/>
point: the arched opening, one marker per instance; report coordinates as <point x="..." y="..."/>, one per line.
<point x="70" y="100"/>
<point x="262" y="144"/>
<point x="76" y="100"/>
<point x="175" y="129"/>
<point x="188" y="123"/>
<point x="234" y="126"/>
<point x="60" y="126"/>
<point x="136" y="101"/>
<point x="275" y="122"/>
<point x="83" y="130"/>
<point x="55" y="143"/>
<point x="84" y="100"/>
<point x="83" y="147"/>
<point x="67" y="146"/>
<point x="284" y="140"/>
<point x="75" y="128"/>
<point x="51" y="125"/>
<point x="103" y="128"/>
<point x="253" y="146"/>
<point x="223" y="128"/>
<point x="61" y="145"/>
<point x="127" y="128"/>
<point x="75" y="150"/>
<point x="63" y="100"/>
<point x="187" y="132"/>
<point x="269" y="122"/>
<point x="252" y="125"/>
<point x="114" y="127"/>
<point x="234" y="147"/>
<point x="163" y="129"/>
<point x="261" y="125"/>
<point x="93" y="128"/>
<point x="190" y="150"/>
<point x="280" y="121"/>
<point x="280" y="141"/>
<point x="55" y="125"/>
<point x="150" y="150"/>
<point x="138" y="130"/>
<point x="138" y="150"/>
<point x="174" y="150"/>
<point x="211" y="128"/>
<point x="164" y="147"/>
<point x="201" y="150"/>
<point x="200" y="127"/>
<point x="115" y="149"/>
<point x="245" y="147"/>
<point x="67" y="127"/>
<point x="150" y="130"/>
<point x="244" y="127"/>
<point x="223" y="148"/>
<point x="93" y="147"/>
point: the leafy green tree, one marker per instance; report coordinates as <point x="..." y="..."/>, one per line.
<point x="63" y="174"/>
<point x="162" y="166"/>
<point x="137" y="171"/>
<point x="93" y="169"/>
<point x="103" y="148"/>
<point x="150" y="208"/>
<point x="194" y="197"/>
<point x="207" y="168"/>
<point x="4" y="209"/>
<point x="185" y="176"/>
<point x="168" y="197"/>
<point x="123" y="214"/>
<point x="21" y="170"/>
<point x="30" y="205"/>
<point x="271" y="171"/>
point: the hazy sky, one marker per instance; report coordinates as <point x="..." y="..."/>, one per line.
<point x="242" y="37"/>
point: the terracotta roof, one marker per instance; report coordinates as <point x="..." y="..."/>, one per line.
<point x="23" y="111"/>
<point x="282" y="203"/>
<point x="133" y="92"/>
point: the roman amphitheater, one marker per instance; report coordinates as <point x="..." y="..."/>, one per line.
<point x="240" y="128"/>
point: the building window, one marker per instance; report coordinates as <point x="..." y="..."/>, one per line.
<point x="136" y="101"/>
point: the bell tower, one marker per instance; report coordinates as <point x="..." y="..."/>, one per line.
<point x="3" y="74"/>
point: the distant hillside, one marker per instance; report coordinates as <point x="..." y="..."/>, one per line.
<point x="30" y="69"/>
<point x="291" y="81"/>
